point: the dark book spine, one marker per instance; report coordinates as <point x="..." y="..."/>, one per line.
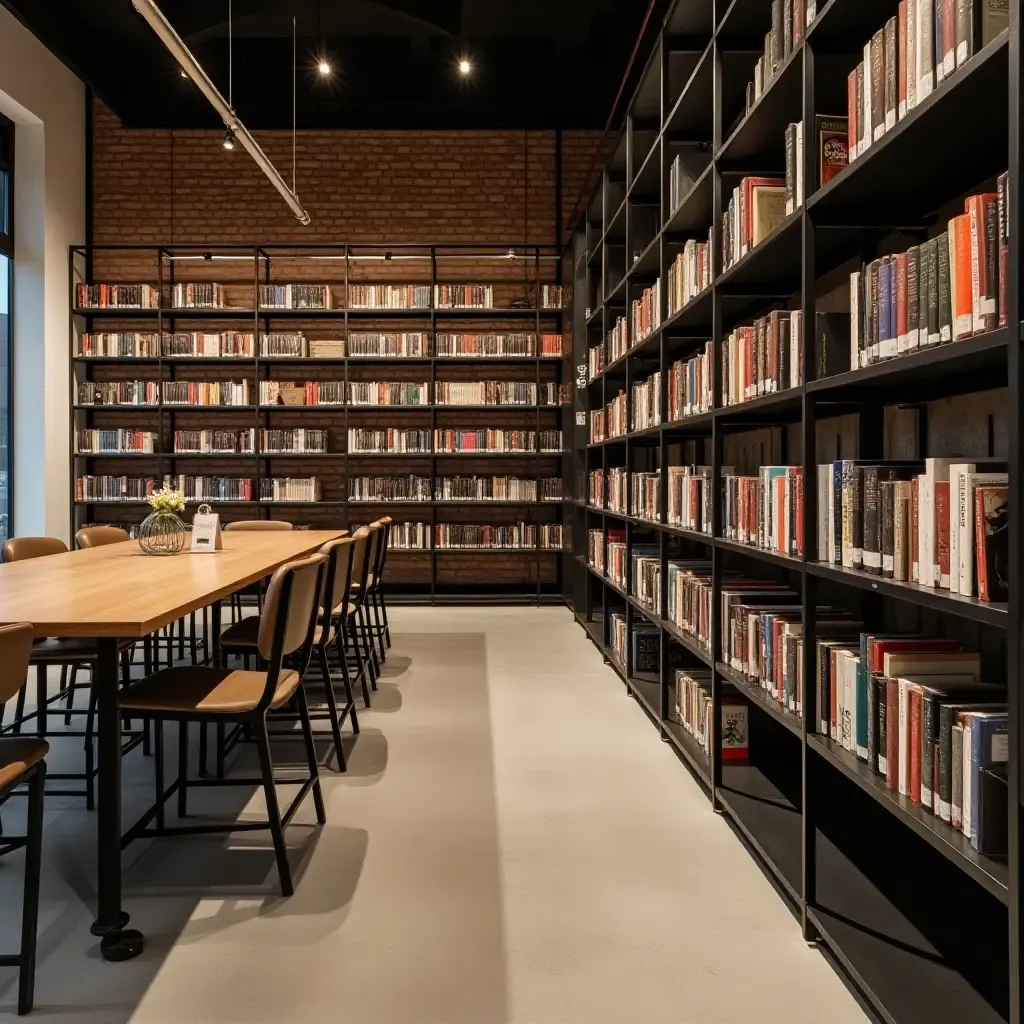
<point x="991" y="260"/>
<point x="928" y="735"/>
<point x="776" y="36"/>
<point x="824" y="691"/>
<point x="871" y="557"/>
<point x="888" y="539"/>
<point x="857" y="516"/>
<point x="946" y="716"/>
<point x="837" y="516"/>
<point x="872" y="688"/>
<point x="878" y="84"/>
<point x="933" y="291"/>
<point x="891" y="78"/>
<point x="912" y="313"/>
<point x="787" y="27"/>
<point x="945" y="313"/>
<point x="790" y="168"/>
<point x="879" y="764"/>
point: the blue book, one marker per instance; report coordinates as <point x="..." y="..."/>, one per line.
<point x="989" y="745"/>
<point x="884" y="307"/>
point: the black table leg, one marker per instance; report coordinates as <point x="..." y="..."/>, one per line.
<point x="117" y="941"/>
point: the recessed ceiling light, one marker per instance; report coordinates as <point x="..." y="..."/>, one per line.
<point x="229" y="139"/>
<point x="324" y="68"/>
<point x="465" y="67"/>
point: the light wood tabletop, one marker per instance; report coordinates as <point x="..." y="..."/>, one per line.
<point x="118" y="591"/>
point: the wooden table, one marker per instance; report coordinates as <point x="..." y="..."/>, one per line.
<point x="113" y="593"/>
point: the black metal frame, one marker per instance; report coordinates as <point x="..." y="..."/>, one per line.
<point x="7" y="136"/>
<point x="702" y="60"/>
<point x="263" y="255"/>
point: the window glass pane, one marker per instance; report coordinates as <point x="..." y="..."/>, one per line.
<point x="5" y="394"/>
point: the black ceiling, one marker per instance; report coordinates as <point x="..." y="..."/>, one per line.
<point x="536" y="63"/>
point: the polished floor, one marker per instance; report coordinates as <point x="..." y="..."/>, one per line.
<point x="511" y="845"/>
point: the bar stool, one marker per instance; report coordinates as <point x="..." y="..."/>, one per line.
<point x="362" y="581"/>
<point x="375" y="592"/>
<point x="21" y="763"/>
<point x="241" y="640"/>
<point x="66" y="653"/>
<point x="204" y="694"/>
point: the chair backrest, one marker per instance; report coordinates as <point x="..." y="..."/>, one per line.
<point x="15" y="648"/>
<point x="360" y="560"/>
<point x="289" y="609"/>
<point x="337" y="575"/>
<point x="97" y="536"/>
<point x="17" y="548"/>
<point x="382" y="548"/>
<point x="258" y="525"/>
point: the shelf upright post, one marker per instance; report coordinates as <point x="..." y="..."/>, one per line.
<point x="433" y="420"/>
<point x="73" y="346"/>
<point x="808" y="583"/>
<point x="1015" y="380"/>
<point x="257" y="374"/>
<point x="716" y="432"/>
<point x="160" y="358"/>
<point x="535" y="512"/>
<point x="344" y="397"/>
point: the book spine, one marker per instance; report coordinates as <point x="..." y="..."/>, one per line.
<point x="870" y="555"/>
<point x="979" y="543"/>
<point x="901" y="29"/>
<point x="892" y="733"/>
<point x="914" y="739"/>
<point x="888" y="541"/>
<point x="891" y="75"/>
<point x="851" y="114"/>
<point x="928" y="731"/>
<point x="899" y="533"/>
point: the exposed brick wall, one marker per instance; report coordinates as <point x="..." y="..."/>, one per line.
<point x="157" y="187"/>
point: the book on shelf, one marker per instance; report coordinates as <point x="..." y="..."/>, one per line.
<point x="118" y="345"/>
<point x="645" y="501"/>
<point x="646" y="403"/>
<point x="617" y="340"/>
<point x="484" y="345"/>
<point x="391" y="393"/>
<point x="122" y="440"/>
<point x="486" y="392"/>
<point x="298" y="489"/>
<point x="918" y="522"/>
<point x="464" y="296"/>
<point x="910" y="56"/>
<point x="688" y="600"/>
<point x="513" y="536"/>
<point x="206" y="392"/>
<point x="551" y="296"/>
<point x="294" y="296"/>
<point x="398" y="345"/>
<point x="646" y="572"/>
<point x="615" y="556"/>
<point x="389" y="296"/>
<point x="616" y="422"/>
<point x="690" y="385"/>
<point x="117" y="296"/>
<point x="496" y="488"/>
<point x="223" y="442"/>
<point x="197" y="295"/>
<point x="595" y="361"/>
<point x="596" y="490"/>
<point x="389" y="488"/>
<point x="689" y="497"/>
<point x="755" y="209"/>
<point x="211" y="488"/>
<point x="595" y="550"/>
<point x="119" y="392"/>
<point x="389" y="441"/>
<point x="300" y="440"/>
<point x="945" y="289"/>
<point x="618" y="490"/>
<point x="767" y="510"/>
<point x="689" y="274"/>
<point x="646" y="312"/>
<point x="291" y="345"/>
<point x="832" y="154"/>
<point x="763" y="358"/>
<point x="687" y="166"/>
<point x="106" y="488"/>
<point x="296" y="393"/>
<point x="596" y="426"/>
<point x="497" y="441"/>
<point x="693" y="706"/>
<point x="794" y="145"/>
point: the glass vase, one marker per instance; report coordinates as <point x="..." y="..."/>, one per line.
<point x="161" y="533"/>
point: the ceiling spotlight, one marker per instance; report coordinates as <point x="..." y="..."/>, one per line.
<point x="324" y="67"/>
<point x="229" y="139"/>
<point x="465" y="67"/>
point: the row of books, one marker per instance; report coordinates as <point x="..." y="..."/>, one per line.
<point x="615" y="557"/>
<point x="115" y="441"/>
<point x="616" y="422"/>
<point x="688" y="592"/>
<point x="419" y="442"/>
<point x="916" y="711"/>
<point x="207" y="295"/>
<point x="762" y="358"/>
<point x="493" y="392"/>
<point x="646" y="572"/>
<point x="388" y="393"/>
<point x="595" y="550"/>
<point x="595" y="361"/>
<point x="690" y="385"/>
<point x="766" y="510"/>
<point x="197" y="488"/>
<point x="617" y="340"/>
<point x="121" y="392"/>
<point x="689" y="274"/>
<point x="514" y="535"/>
<point x="596" y="488"/>
<point x="645" y="405"/>
<point x="313" y="392"/>
<point x="618" y="490"/>
<point x="645" y="312"/>
<point x="755" y="209"/>
<point x="596" y="428"/>
<point x="683" y="172"/>
<point x="645" y="495"/>
<point x="832" y="155"/>
<point x="221" y="442"/>
<point x="910" y="56"/>
<point x="790" y="19"/>
<point x="497" y="345"/>
<point x="942" y="522"/>
<point x="298" y="439"/>
<point x="948" y="288"/>
<point x="453" y="488"/>
<point x="689" y="498"/>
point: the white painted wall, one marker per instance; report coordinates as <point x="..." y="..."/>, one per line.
<point x="47" y="104"/>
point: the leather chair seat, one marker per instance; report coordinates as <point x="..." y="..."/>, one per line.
<point x="243" y="633"/>
<point x="17" y="755"/>
<point x="370" y="580"/>
<point x="206" y="691"/>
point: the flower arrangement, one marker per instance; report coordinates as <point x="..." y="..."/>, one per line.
<point x="167" y="501"/>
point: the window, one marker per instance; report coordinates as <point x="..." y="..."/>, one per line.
<point x="6" y="292"/>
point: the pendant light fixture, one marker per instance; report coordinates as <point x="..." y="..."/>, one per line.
<point x="157" y="21"/>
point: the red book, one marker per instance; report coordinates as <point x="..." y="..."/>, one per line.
<point x="979" y="543"/>
<point x="799" y="483"/>
<point x="942" y="530"/>
<point x="892" y="734"/>
<point x="915" y="573"/>
<point x="914" y="696"/>
<point x="949" y="35"/>
<point x="878" y="649"/>
<point x="901" y="43"/>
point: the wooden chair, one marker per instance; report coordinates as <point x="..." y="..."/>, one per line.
<point x="241" y="640"/>
<point x="97" y="536"/>
<point x="67" y="653"/>
<point x="186" y="693"/>
<point x="363" y="580"/>
<point x="375" y="593"/>
<point x="22" y="764"/>
<point x="253" y="526"/>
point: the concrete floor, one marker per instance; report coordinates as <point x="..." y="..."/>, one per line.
<point x="511" y="845"/>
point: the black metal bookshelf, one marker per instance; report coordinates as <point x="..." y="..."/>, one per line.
<point x="516" y="272"/>
<point x="920" y="925"/>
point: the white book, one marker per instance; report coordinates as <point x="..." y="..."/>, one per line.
<point x="846" y="698"/>
<point x="831" y="538"/>
<point x="824" y="493"/>
<point x="799" y="163"/>
<point x="925" y="56"/>
<point x="903" y="689"/>
<point x="855" y="353"/>
<point x="935" y="471"/>
<point x="865" y="138"/>
<point x="796" y="370"/>
<point x="966" y="527"/>
<point x="957" y="515"/>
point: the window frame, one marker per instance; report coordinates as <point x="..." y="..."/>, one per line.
<point x="7" y="165"/>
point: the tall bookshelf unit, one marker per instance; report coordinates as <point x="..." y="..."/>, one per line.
<point x="516" y="274"/>
<point x="920" y="925"/>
